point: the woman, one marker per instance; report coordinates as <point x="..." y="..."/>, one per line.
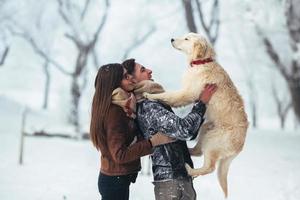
<point x="113" y="132"/>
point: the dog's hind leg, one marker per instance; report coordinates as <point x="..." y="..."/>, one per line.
<point x="223" y="172"/>
<point x="210" y="159"/>
<point x="197" y="149"/>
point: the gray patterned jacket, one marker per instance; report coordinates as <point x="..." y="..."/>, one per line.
<point x="168" y="160"/>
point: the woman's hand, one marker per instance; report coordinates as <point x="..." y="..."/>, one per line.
<point x="160" y="139"/>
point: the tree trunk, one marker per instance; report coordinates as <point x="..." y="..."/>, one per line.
<point x="4" y="55"/>
<point x="254" y="115"/>
<point x="74" y="115"/>
<point x="84" y="50"/>
<point x="290" y="71"/>
<point x="76" y="88"/>
<point x="293" y="23"/>
<point x="295" y="94"/>
<point x="282" y="122"/>
<point x="187" y="4"/>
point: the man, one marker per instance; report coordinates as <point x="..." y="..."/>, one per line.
<point x="171" y="180"/>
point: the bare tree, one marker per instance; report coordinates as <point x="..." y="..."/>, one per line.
<point x="73" y="17"/>
<point x="210" y="26"/>
<point x="85" y="48"/>
<point x="22" y="33"/>
<point x="290" y="71"/>
<point x="282" y="106"/>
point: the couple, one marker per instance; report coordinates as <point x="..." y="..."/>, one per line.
<point x="125" y="126"/>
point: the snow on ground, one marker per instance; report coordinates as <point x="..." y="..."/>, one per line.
<point x="56" y="168"/>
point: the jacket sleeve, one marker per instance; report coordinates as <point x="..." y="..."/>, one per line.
<point x="117" y="133"/>
<point x="155" y="118"/>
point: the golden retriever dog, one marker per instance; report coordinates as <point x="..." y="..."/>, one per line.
<point x="222" y="136"/>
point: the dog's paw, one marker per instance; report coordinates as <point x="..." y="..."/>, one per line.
<point x="188" y="168"/>
<point x="190" y="171"/>
<point x="147" y="95"/>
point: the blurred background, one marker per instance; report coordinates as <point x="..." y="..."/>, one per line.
<point x="50" y="51"/>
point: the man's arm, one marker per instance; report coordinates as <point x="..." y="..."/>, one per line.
<point x="153" y="117"/>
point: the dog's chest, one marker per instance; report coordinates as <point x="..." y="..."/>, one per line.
<point x="192" y="77"/>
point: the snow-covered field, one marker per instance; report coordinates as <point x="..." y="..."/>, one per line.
<point x="267" y="169"/>
<point x="56" y="168"/>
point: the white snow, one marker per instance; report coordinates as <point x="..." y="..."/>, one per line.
<point x="55" y="168"/>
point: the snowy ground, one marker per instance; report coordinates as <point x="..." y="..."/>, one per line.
<point x="55" y="168"/>
<point x="268" y="169"/>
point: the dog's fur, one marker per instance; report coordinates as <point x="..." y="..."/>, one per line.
<point x="222" y="137"/>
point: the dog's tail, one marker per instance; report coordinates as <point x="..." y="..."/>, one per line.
<point x="222" y="173"/>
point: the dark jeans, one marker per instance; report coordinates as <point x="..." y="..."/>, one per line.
<point x="115" y="187"/>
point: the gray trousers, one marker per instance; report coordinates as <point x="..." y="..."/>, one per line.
<point x="177" y="189"/>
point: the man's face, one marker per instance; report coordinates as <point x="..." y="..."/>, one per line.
<point x="141" y="73"/>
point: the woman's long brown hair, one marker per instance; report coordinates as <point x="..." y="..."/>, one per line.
<point x="108" y="78"/>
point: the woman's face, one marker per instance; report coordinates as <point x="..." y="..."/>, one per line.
<point x="127" y="82"/>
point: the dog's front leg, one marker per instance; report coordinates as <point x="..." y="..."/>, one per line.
<point x="174" y="99"/>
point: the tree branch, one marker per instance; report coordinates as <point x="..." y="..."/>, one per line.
<point x="272" y="53"/>
<point x="282" y="109"/>
<point x="95" y="59"/>
<point x="138" y="42"/>
<point x="287" y="108"/>
<point x="214" y="22"/>
<point x="74" y="39"/>
<point x="293" y="19"/>
<point x="275" y="95"/>
<point x="213" y="14"/>
<point x="101" y="25"/>
<point x="40" y="52"/>
<point x="86" y="5"/>
<point x="65" y="17"/>
<point x="200" y="12"/>
<point x="2" y="59"/>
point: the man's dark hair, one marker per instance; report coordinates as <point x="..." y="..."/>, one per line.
<point x="129" y="64"/>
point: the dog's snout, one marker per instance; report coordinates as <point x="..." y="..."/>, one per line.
<point x="172" y="40"/>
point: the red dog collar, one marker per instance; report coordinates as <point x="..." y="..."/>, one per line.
<point x="201" y="62"/>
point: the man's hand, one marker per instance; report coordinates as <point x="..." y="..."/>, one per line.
<point x="207" y="93"/>
<point x="160" y="139"/>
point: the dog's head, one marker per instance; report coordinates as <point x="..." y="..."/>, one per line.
<point x="194" y="45"/>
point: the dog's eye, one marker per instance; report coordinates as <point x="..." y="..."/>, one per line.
<point x="186" y="38"/>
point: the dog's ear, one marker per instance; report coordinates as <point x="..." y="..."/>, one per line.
<point x="199" y="49"/>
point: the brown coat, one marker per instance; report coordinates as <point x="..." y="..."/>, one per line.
<point x="118" y="155"/>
